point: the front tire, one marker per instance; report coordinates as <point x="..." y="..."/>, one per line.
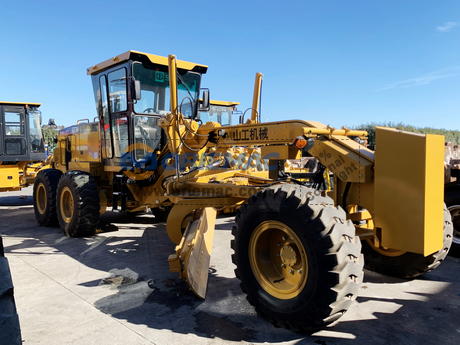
<point x="297" y="257"/>
<point x="78" y="204"/>
<point x="402" y="264"/>
<point x="44" y="195"/>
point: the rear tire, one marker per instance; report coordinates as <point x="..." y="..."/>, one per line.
<point x="406" y="264"/>
<point x="44" y="195"/>
<point x="452" y="200"/>
<point x="297" y="257"/>
<point x="78" y="204"/>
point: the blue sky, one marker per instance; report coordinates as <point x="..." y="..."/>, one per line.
<point x="340" y="62"/>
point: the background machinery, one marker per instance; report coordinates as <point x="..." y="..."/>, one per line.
<point x="220" y="112"/>
<point x="297" y="244"/>
<point x="22" y="149"/>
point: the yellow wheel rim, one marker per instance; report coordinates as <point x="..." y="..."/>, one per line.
<point x="40" y="198"/>
<point x="278" y="259"/>
<point x="66" y="203"/>
<point x="386" y="251"/>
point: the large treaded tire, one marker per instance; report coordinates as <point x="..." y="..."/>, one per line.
<point x="78" y="204"/>
<point x="325" y="249"/>
<point x="452" y="200"/>
<point x="44" y="196"/>
<point x="408" y="265"/>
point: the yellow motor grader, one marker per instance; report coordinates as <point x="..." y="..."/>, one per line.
<point x="300" y="240"/>
<point x="22" y="149"/>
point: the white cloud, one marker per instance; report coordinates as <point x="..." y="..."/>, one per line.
<point x="425" y="79"/>
<point x="447" y="27"/>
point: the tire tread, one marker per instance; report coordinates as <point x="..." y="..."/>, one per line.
<point x="335" y="243"/>
<point x="50" y="179"/>
<point x="86" y="212"/>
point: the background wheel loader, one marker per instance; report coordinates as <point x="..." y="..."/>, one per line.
<point x="22" y="149"/>
<point x="297" y="243"/>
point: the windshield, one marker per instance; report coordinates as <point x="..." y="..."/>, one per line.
<point x="155" y="94"/>
<point x="36" y="137"/>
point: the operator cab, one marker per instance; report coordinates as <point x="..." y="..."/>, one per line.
<point x="21" y="137"/>
<point x="132" y="93"/>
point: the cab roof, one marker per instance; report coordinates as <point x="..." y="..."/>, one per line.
<point x="135" y="55"/>
<point x="223" y="103"/>
<point x="21" y="103"/>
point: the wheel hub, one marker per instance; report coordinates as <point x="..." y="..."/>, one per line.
<point x="278" y="259"/>
<point x="288" y="255"/>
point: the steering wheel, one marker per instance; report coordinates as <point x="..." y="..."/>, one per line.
<point x="149" y="110"/>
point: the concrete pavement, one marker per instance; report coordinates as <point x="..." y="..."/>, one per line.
<point x="116" y="288"/>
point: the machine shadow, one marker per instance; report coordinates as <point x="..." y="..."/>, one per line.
<point x="135" y="267"/>
<point x="160" y="300"/>
<point x="16" y="200"/>
<point x="226" y="314"/>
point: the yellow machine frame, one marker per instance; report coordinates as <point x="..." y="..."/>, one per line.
<point x="350" y="162"/>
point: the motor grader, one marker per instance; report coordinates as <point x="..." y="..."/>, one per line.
<point x="300" y="243"/>
<point x="22" y="149"/>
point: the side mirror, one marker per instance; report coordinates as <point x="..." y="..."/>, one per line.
<point x="136" y="90"/>
<point x="204" y="101"/>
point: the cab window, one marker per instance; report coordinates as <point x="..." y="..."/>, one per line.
<point x="117" y="90"/>
<point x="36" y="137"/>
<point x="105" y="117"/>
<point x="120" y="135"/>
<point x="14" y="121"/>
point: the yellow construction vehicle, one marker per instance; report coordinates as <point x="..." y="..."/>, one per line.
<point x="22" y="149"/>
<point x="297" y="240"/>
<point x="218" y="111"/>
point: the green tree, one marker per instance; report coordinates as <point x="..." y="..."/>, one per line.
<point x="49" y="134"/>
<point x="450" y="135"/>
